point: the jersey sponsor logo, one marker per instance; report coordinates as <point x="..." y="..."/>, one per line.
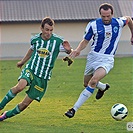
<point x="43" y="52"/>
<point x="108" y="34"/>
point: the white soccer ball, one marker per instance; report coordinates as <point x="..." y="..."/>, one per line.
<point x="119" y="111"/>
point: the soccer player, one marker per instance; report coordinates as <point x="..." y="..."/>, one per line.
<point x="105" y="32"/>
<point x="41" y="57"/>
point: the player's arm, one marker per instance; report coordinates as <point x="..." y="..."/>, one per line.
<point x="82" y="45"/>
<point x="130" y="25"/>
<point x="26" y="58"/>
<point x="86" y="38"/>
<point x="67" y="47"/>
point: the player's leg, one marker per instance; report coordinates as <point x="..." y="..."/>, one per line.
<point x="85" y="94"/>
<point x="101" y="89"/>
<point x="107" y="64"/>
<point x="99" y="85"/>
<point x="87" y="79"/>
<point x="17" y="110"/>
<point x="92" y="82"/>
<point x="88" y="91"/>
<point x="102" y="86"/>
<point x="98" y="76"/>
<point x="13" y="92"/>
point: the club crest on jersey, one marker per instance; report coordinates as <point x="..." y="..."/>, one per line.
<point x="43" y="52"/>
<point x="115" y="29"/>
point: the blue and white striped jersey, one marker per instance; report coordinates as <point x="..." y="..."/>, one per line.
<point x="105" y="37"/>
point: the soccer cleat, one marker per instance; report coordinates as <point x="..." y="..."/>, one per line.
<point x="3" y="116"/>
<point x="70" y="113"/>
<point x="101" y="93"/>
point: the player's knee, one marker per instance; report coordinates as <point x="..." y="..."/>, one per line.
<point x="18" y="88"/>
<point x="93" y="83"/>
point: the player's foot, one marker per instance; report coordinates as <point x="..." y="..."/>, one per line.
<point x="101" y="93"/>
<point x="70" y="113"/>
<point x="3" y="116"/>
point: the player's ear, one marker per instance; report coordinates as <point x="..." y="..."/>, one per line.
<point x="41" y="28"/>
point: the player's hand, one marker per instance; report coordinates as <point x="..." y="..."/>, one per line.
<point x="67" y="47"/>
<point x="74" y="53"/>
<point x="20" y="64"/>
<point x="70" y="61"/>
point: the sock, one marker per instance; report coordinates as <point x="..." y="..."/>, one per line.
<point x="101" y="86"/>
<point x="8" y="97"/>
<point x="13" y="112"/>
<point x="85" y="94"/>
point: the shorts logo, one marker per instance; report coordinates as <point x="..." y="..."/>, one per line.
<point x="43" y="52"/>
<point x="38" y="88"/>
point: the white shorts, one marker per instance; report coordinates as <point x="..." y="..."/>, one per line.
<point x="96" y="60"/>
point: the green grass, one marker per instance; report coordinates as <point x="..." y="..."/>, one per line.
<point x="63" y="90"/>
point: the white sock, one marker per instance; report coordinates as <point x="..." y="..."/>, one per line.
<point x="101" y="86"/>
<point x="85" y="94"/>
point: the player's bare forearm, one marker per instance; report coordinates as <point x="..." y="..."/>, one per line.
<point x="82" y="45"/>
<point x="130" y="25"/>
<point x="67" y="47"/>
<point x="25" y="59"/>
<point x="27" y="56"/>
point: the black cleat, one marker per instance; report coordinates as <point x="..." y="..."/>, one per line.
<point x="70" y="113"/>
<point x="101" y="93"/>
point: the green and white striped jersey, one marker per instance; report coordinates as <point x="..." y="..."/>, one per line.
<point x="44" y="55"/>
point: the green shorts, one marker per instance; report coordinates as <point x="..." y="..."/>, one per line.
<point x="37" y="85"/>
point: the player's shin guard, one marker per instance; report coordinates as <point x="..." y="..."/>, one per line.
<point x="13" y="112"/>
<point x="8" y="97"/>
<point x="85" y="94"/>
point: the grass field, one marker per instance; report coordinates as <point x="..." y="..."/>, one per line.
<point x="63" y="91"/>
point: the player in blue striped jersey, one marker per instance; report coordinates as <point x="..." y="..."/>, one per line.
<point x="41" y="57"/>
<point x="105" y="32"/>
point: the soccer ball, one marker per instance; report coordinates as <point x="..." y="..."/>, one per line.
<point x="119" y="111"/>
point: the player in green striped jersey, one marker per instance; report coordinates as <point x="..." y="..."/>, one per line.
<point x="41" y="57"/>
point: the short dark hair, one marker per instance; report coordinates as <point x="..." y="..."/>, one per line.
<point x="47" y="20"/>
<point x="106" y="6"/>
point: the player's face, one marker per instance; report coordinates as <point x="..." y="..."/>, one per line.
<point x="106" y="16"/>
<point x="47" y="31"/>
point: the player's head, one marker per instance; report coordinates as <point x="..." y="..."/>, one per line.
<point x="47" y="26"/>
<point x="106" y="11"/>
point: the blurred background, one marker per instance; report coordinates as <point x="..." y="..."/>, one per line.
<point x="20" y="20"/>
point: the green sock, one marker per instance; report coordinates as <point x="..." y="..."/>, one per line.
<point x="8" y="97"/>
<point x="13" y="112"/>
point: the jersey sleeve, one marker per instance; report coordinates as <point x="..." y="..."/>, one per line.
<point x="88" y="32"/>
<point x="62" y="48"/>
<point x="31" y="43"/>
<point x="123" y="21"/>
